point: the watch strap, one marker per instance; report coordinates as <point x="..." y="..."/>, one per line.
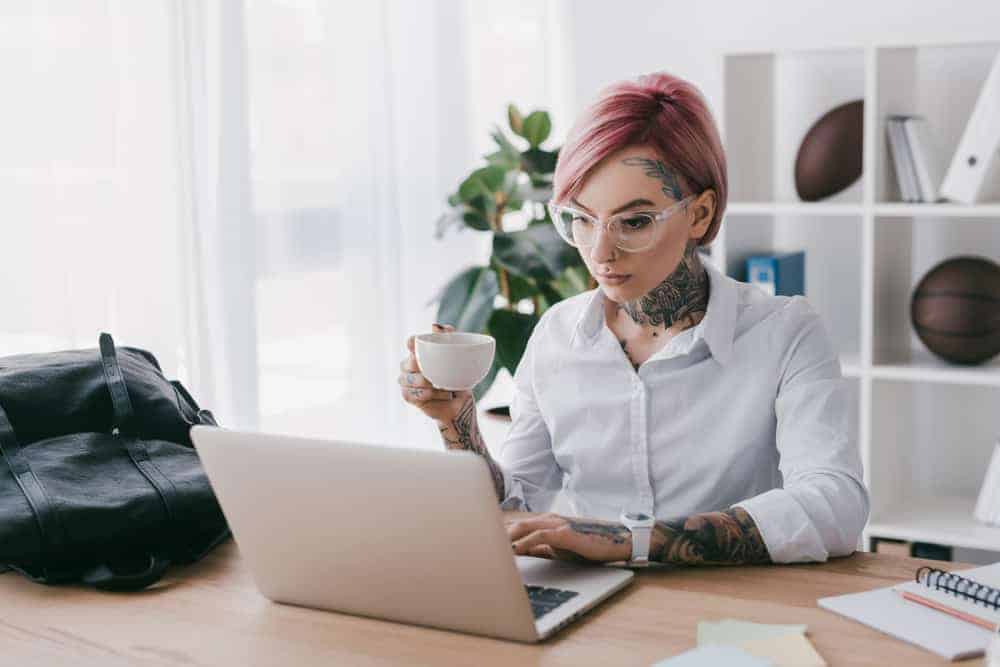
<point x="640" y="544"/>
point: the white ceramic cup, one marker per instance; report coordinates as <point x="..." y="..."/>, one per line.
<point x="455" y="361"/>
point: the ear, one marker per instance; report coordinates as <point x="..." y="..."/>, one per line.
<point x="703" y="210"/>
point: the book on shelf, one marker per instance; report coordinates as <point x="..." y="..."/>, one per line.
<point x="924" y="156"/>
<point x="976" y="152"/>
<point x="901" y="160"/>
<point x="914" y="158"/>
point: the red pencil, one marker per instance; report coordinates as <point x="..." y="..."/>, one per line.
<point x="934" y="604"/>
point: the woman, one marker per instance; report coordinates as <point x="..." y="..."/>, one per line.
<point x="687" y="417"/>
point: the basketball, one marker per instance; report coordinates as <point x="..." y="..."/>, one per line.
<point x="955" y="310"/>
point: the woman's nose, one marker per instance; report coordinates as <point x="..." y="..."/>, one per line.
<point x="603" y="249"/>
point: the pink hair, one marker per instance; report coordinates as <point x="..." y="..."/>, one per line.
<point x="661" y="111"/>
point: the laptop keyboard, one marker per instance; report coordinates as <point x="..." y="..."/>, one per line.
<point x="544" y="600"/>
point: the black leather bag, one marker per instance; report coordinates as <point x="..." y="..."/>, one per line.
<point x="99" y="481"/>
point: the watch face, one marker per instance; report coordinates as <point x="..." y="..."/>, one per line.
<point x="638" y="516"/>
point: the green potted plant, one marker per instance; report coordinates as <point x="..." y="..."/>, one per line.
<point x="530" y="267"/>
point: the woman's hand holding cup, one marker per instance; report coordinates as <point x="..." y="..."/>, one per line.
<point x="440" y="404"/>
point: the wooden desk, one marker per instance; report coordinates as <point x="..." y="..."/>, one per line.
<point x="211" y="614"/>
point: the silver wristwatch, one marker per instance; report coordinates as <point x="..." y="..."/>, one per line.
<point x="641" y="527"/>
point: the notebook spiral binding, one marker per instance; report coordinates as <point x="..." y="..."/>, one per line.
<point x="958" y="586"/>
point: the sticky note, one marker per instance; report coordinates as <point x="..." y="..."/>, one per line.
<point x="713" y="656"/>
<point x="787" y="651"/>
<point x="731" y="632"/>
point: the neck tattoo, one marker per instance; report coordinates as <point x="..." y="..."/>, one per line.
<point x="681" y="297"/>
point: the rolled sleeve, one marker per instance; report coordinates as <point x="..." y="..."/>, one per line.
<point x="823" y="505"/>
<point x="532" y="477"/>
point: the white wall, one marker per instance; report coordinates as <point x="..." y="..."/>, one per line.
<point x="688" y="39"/>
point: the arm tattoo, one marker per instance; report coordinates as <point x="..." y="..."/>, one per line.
<point x="654" y="168"/>
<point x="714" y="538"/>
<point x="463" y="432"/>
<point x="615" y="532"/>
<point x="682" y="295"/>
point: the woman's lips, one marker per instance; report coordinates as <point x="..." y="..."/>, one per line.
<point x="613" y="278"/>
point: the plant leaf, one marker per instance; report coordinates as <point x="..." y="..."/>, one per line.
<point x="571" y="282"/>
<point x="550" y="296"/>
<point x="467" y="299"/>
<point x="512" y="330"/>
<point x="450" y="218"/>
<point x="537" y="252"/>
<point x="537" y="127"/>
<point x="482" y="182"/>
<point x="540" y="161"/>
<point x="485" y="206"/>
<point x="474" y="218"/>
<point x="520" y="288"/>
<point x="484" y="385"/>
<point x="491" y="177"/>
<point x="515" y="119"/>
<point x="508" y="157"/>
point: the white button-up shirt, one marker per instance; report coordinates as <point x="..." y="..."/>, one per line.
<point x="747" y="409"/>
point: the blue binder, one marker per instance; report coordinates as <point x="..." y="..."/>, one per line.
<point x="783" y="273"/>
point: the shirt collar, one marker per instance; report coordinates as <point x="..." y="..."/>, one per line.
<point x="717" y="328"/>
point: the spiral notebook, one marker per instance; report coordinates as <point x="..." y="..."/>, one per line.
<point x="973" y="592"/>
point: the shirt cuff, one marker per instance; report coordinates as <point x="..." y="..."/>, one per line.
<point x="787" y="531"/>
<point x="513" y="495"/>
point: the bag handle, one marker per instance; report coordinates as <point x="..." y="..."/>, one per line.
<point x="51" y="535"/>
<point x="204" y="416"/>
<point x="104" y="577"/>
<point x="120" y="401"/>
<point x="133" y="444"/>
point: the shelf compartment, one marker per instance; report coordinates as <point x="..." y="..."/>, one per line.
<point x="940" y="83"/>
<point x="929" y="442"/>
<point x="940" y="520"/>
<point x="793" y="208"/>
<point x="981" y="212"/>
<point x="906" y="248"/>
<point x="771" y="101"/>
<point x="921" y="366"/>
<point x="833" y="264"/>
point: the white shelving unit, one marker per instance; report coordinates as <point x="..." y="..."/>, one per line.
<point x="925" y="428"/>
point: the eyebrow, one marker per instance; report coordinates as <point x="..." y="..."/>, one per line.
<point x="624" y="207"/>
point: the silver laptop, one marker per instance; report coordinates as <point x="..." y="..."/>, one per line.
<point x="407" y="535"/>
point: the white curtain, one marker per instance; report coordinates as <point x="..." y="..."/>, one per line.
<point x="88" y="234"/>
<point x="249" y="189"/>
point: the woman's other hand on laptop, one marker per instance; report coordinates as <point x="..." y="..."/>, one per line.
<point x="418" y="391"/>
<point x="569" y="538"/>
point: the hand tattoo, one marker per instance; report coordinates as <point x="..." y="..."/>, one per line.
<point x="671" y="184"/>
<point x="682" y="295"/>
<point x="463" y="433"/>
<point x="714" y="538"/>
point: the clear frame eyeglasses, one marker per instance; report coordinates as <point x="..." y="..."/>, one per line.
<point x="633" y="231"/>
